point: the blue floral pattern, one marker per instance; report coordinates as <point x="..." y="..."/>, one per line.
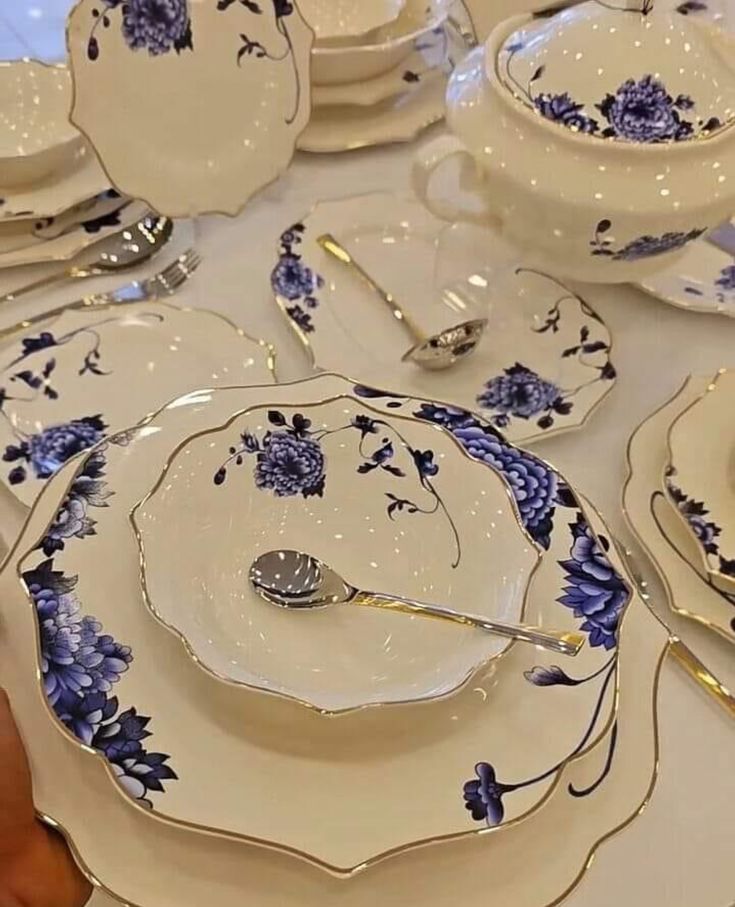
<point x="706" y="531"/>
<point x="726" y="279"/>
<point x="295" y="282"/>
<point x="47" y="451"/>
<point x="81" y="664"/>
<point x="643" y="246"/>
<point x="290" y="461"/>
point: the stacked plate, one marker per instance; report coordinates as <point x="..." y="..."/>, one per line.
<point x="379" y="70"/>
<point x="136" y="621"/>
<point x="55" y="200"/>
<point x="679" y="499"/>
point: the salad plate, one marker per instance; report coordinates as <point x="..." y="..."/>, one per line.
<point x="58" y="192"/>
<point x="198" y="63"/>
<point x="523" y="719"/>
<point x="654" y="520"/>
<point x="69" y="382"/>
<point x="424" y="63"/>
<point x="361" y="473"/>
<point x="597" y="794"/>
<point x="699" y="477"/>
<point x="63" y="237"/>
<point x="399" y="119"/>
<point x="544" y="364"/>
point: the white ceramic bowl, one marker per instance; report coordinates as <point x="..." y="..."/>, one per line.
<point x="393" y="504"/>
<point x="347" y="20"/>
<point x="393" y="43"/>
<point x="36" y="137"/>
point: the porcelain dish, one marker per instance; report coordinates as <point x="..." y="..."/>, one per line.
<point x="206" y="61"/>
<point x="61" y="238"/>
<point x="699" y="477"/>
<point x="364" y="477"/>
<point x="61" y="381"/>
<point x="348" y="20"/>
<point x="615" y="211"/>
<point x="702" y="280"/>
<point x="659" y="528"/>
<point x="544" y="364"/>
<point x="522" y="715"/>
<point x="36" y="137"/>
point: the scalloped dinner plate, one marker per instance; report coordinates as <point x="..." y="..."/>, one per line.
<point x="526" y="716"/>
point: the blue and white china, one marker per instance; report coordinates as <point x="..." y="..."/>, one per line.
<point x="674" y="526"/>
<point x="68" y="383"/>
<point x="602" y="138"/>
<point x="489" y="755"/>
<point x="543" y="365"/>
<point x="701" y="280"/>
<point x="25" y="242"/>
<point x="212" y="100"/>
<point x="699" y="479"/>
<point x="365" y="492"/>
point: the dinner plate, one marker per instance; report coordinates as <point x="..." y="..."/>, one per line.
<point x="529" y="863"/>
<point x="660" y="529"/>
<point x="522" y="720"/>
<point x="400" y="119"/>
<point x="58" y="192"/>
<point x="544" y="364"/>
<point x="425" y="62"/>
<point x="391" y="501"/>
<point x="198" y="64"/>
<point x="66" y="384"/>
<point x="59" y="239"/>
<point x="701" y="280"/>
<point x="699" y="478"/>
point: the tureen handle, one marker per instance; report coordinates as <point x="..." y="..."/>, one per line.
<point x="428" y="160"/>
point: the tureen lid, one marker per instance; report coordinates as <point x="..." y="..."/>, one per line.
<point x="623" y="70"/>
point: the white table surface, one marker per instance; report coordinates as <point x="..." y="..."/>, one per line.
<point x="679" y="853"/>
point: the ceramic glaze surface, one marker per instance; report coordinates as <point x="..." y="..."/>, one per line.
<point x="217" y="57"/>
<point x="369" y="495"/>
<point x="36" y="136"/>
<point x="348" y="18"/>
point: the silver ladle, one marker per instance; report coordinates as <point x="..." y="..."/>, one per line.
<point x="298" y="581"/>
<point x="435" y="352"/>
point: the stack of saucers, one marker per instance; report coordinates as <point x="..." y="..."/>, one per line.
<point x="55" y="199"/>
<point x="379" y="70"/>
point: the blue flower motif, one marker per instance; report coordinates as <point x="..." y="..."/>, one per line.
<point x="425" y="465"/>
<point x="594" y="590"/>
<point x="290" y="465"/>
<point x="157" y="26"/>
<point x="562" y="109"/>
<point x="726" y="280"/>
<point x="293" y="279"/>
<point x="47" y="451"/>
<point x="519" y="392"/>
<point x="649" y="246"/>
<point x="532" y="483"/>
<point x="643" y="111"/>
<point x="484" y="796"/>
<point x="33" y="344"/>
<point x="552" y="676"/>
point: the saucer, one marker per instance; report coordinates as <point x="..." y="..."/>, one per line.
<point x="178" y="79"/>
<point x="94" y="371"/>
<point x="527" y="716"/>
<point x="375" y="493"/>
<point x="659" y="528"/>
<point x="397" y="119"/>
<point x="701" y="280"/>
<point x="544" y="364"/>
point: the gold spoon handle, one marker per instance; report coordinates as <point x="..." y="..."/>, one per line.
<point x="702" y="675"/>
<point x="49" y="281"/>
<point x="560" y="641"/>
<point x="338" y="251"/>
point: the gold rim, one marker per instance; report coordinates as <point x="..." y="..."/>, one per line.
<point x="190" y="651"/>
<point x="308" y="108"/>
<point x="339" y="872"/>
<point x="283" y="304"/>
<point x="661" y="574"/>
<point x="587" y="860"/>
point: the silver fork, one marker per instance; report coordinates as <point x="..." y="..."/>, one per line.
<point x="165" y="283"/>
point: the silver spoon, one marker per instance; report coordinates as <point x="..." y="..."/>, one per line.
<point x="436" y="352"/>
<point x="298" y="581"/>
<point x="118" y="252"/>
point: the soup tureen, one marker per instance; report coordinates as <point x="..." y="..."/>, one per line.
<point x="602" y="139"/>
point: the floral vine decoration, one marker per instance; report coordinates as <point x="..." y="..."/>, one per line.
<point x="290" y="461"/>
<point x="294" y="282"/>
<point x="643" y="246"/>
<point x="706" y="531"/>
